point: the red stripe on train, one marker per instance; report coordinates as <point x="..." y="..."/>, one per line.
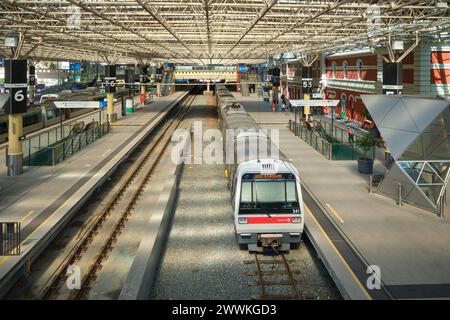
<point x="261" y="220"/>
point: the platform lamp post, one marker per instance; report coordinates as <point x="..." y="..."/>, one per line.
<point x="110" y="80"/>
<point x="307" y="79"/>
<point x="275" y="84"/>
<point x="16" y="106"/>
<point x="143" y="79"/>
<point x="32" y="80"/>
<point x="307" y="86"/>
<point x="392" y="66"/>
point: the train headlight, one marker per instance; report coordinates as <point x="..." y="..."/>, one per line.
<point x="243" y="220"/>
<point x="296" y="220"/>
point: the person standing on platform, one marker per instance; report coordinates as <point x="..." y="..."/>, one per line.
<point x="274" y="106"/>
<point x="142" y="98"/>
<point x="283" y="103"/>
<point x="351" y="134"/>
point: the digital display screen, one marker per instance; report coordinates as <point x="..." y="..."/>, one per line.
<point x="268" y="176"/>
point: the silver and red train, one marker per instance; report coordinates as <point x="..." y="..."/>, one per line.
<point x="265" y="190"/>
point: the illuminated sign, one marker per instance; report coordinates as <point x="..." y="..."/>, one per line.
<point x="75" y="66"/>
<point x="64" y="65"/>
<point x="80" y="104"/>
<point x="314" y="103"/>
<point x="242" y="68"/>
<point x="269" y="176"/>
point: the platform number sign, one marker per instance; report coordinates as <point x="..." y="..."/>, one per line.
<point x="307" y="80"/>
<point x="110" y="79"/>
<point x="16" y="86"/>
<point x="307" y="85"/>
<point x="110" y="84"/>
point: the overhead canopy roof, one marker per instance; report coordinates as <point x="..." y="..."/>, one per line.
<point x="210" y="31"/>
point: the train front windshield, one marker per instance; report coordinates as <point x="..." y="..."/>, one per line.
<point x="259" y="196"/>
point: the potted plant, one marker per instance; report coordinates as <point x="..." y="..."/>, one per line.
<point x="365" y="163"/>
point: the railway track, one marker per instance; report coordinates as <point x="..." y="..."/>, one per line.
<point x="98" y="239"/>
<point x="276" y="278"/>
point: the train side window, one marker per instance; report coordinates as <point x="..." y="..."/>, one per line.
<point x="28" y="120"/>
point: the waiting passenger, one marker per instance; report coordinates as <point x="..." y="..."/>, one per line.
<point x="351" y="133"/>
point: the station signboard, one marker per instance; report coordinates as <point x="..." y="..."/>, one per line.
<point x="80" y="104"/>
<point x="314" y="103"/>
<point x="318" y="95"/>
<point x="75" y="66"/>
<point x="242" y="68"/>
<point x="64" y="65"/>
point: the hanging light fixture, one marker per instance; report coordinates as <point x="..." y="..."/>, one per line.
<point x="11" y="40"/>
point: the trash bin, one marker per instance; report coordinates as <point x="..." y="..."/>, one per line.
<point x="129" y="106"/>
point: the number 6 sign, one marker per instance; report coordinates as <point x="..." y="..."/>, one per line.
<point x="16" y="85"/>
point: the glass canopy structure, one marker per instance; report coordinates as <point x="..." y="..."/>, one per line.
<point x="212" y="31"/>
<point x="417" y="132"/>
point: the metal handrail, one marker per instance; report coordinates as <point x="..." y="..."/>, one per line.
<point x="321" y="145"/>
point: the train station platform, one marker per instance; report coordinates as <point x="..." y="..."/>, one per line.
<point x="44" y="198"/>
<point x="353" y="229"/>
<point x="90" y="115"/>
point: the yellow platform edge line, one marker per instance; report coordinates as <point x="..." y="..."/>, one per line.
<point x="26" y="216"/>
<point x="335" y="213"/>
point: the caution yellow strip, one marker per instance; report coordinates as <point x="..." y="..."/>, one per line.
<point x="3" y="260"/>
<point x="333" y="211"/>
<point x="26" y="216"/>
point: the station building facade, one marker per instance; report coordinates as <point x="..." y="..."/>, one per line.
<point x="426" y="72"/>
